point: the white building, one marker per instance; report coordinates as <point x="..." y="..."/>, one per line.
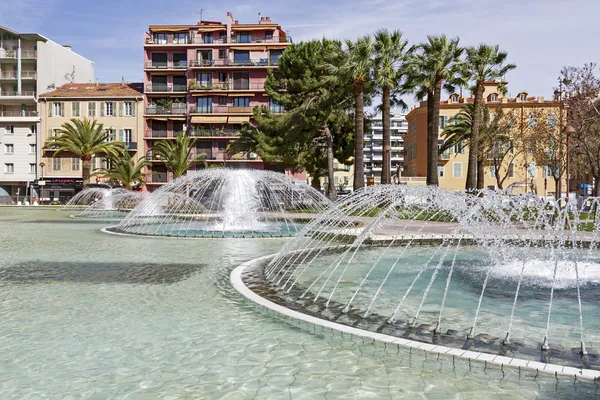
<point x="30" y="64"/>
<point x="373" y="150"/>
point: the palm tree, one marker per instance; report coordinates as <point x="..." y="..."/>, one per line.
<point x="84" y="138"/>
<point x="435" y="65"/>
<point x="125" y="170"/>
<point x="390" y="55"/>
<point x="355" y="65"/>
<point x="483" y="63"/>
<point x="177" y="154"/>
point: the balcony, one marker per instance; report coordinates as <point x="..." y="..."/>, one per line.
<point x="166" y="89"/>
<point x="220" y="110"/>
<point x="10" y="75"/>
<point x="227" y="133"/>
<point x="242" y="39"/>
<point x="253" y="62"/>
<point x="131" y="146"/>
<point x="231" y="86"/>
<point x="173" y="110"/>
<point x="12" y="54"/>
<point x="161" y="177"/>
<point x="177" y="65"/>
<point x="19" y="114"/>
<point x="156" y="133"/>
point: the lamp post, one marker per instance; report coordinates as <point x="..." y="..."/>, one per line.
<point x="42" y="165"/>
<point x="568" y="130"/>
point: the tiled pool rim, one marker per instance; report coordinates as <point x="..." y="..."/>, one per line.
<point x="535" y="366"/>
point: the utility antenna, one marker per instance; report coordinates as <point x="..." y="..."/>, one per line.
<point x="201" y="13"/>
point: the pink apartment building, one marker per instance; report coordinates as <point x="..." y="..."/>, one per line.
<point x="204" y="80"/>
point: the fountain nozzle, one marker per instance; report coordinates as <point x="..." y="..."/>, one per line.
<point x="470" y="334"/>
<point x="583" y="351"/>
<point x="506" y="340"/>
<point x="545" y="345"/>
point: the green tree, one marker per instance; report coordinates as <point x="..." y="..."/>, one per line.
<point x="391" y="52"/>
<point x="356" y="68"/>
<point x="317" y="125"/>
<point x="84" y="138"/>
<point x="436" y="64"/>
<point x="178" y="154"/>
<point x="125" y="170"/>
<point x="483" y="63"/>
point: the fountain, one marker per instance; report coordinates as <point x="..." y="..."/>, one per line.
<point x="510" y="277"/>
<point x="115" y="205"/>
<point x="90" y="196"/>
<point x="226" y="203"/>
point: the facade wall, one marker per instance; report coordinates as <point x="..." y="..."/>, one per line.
<point x="373" y="150"/>
<point x="55" y="61"/>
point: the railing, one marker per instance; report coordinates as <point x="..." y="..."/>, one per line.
<point x="15" y="75"/>
<point x="226" y="86"/>
<point x="167" y="65"/>
<point x="253" y="62"/>
<point x="19" y="114"/>
<point x="166" y="88"/>
<point x="219" y="110"/>
<point x="22" y="93"/>
<point x="242" y="39"/>
<point x="173" y="110"/>
<point x="131" y="146"/>
<point x="160" y="178"/>
<point x="156" y="133"/>
<point x="28" y="54"/>
<point x="197" y="132"/>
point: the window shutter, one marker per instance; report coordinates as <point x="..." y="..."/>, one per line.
<point x="121" y="109"/>
<point x="121" y="135"/>
<point x="50" y="108"/>
<point x="114" y="109"/>
<point x="62" y="109"/>
<point x="102" y="107"/>
<point x="133" y="106"/>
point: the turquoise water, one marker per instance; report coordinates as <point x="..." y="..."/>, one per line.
<point x="87" y="315"/>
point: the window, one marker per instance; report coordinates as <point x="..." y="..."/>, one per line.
<point x="204" y="105"/>
<point x="532" y="121"/>
<point x="241" y="101"/>
<point x="127" y="136"/>
<point x="160" y="38"/>
<point x="223" y="77"/>
<point x="552" y="121"/>
<point x="511" y="170"/>
<point x="549" y="171"/>
<point x="493" y="97"/>
<point x="9" y="129"/>
<point x="457" y="170"/>
<point x="75" y="109"/>
<point x="244" y="37"/>
<point x="269" y="35"/>
<point x="241" y="56"/>
<point x="32" y="149"/>
<point x="274" y="56"/>
<point x="91" y="109"/>
<point x="32" y="168"/>
<point x="523" y="97"/>
<point x="108" y="109"/>
<point x="492" y="171"/>
<point x="222" y="54"/>
<point x="204" y="79"/>
<point x="9" y="168"/>
<point x="208" y="38"/>
<point x="180" y="38"/>
<point x="127" y="109"/>
<point x="443" y="122"/>
<point x="104" y="163"/>
<point x="440" y="170"/>
<point x="56" y="164"/>
<point x="75" y="164"/>
<point x="111" y="135"/>
<point x="9" y="149"/>
<point x="531" y="170"/>
<point x="222" y="100"/>
<point x="275" y="107"/>
<point x="454" y="98"/>
<point x="33" y="129"/>
<point x="57" y="109"/>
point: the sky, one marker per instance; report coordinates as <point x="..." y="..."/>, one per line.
<point x="540" y="36"/>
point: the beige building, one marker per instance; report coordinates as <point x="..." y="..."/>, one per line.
<point x="118" y="106"/>
<point x="518" y="169"/>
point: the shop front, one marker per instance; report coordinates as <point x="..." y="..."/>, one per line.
<point x="57" y="189"/>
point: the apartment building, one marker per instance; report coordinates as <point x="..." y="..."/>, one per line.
<point x="205" y="79"/>
<point x="373" y="150"/>
<point x="118" y="106"/>
<point x="518" y="169"/>
<point x="30" y="64"/>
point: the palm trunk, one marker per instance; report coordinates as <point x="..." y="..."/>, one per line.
<point x="480" y="172"/>
<point x="433" y="129"/>
<point x="331" y="190"/>
<point x="316" y="182"/>
<point x="471" y="183"/>
<point x="359" y="117"/>
<point x="387" y="137"/>
<point x="85" y="171"/>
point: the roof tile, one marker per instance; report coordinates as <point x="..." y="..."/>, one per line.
<point x="97" y="90"/>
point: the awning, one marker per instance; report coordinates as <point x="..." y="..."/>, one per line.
<point x="177" y="118"/>
<point x="240" y="94"/>
<point x="204" y="94"/>
<point x="239" y="120"/>
<point x="278" y="47"/>
<point x="170" y="29"/>
<point x="212" y="29"/>
<point x="259" y="48"/>
<point x="209" y="120"/>
<point x="258" y="28"/>
<point x="156" y="118"/>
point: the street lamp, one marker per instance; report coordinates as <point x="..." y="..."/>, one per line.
<point x="568" y="130"/>
<point x="42" y="165"/>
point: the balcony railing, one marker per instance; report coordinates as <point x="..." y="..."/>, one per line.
<point x="132" y="146"/>
<point x="167" y="65"/>
<point x="19" y="114"/>
<point x="156" y="133"/>
<point x="200" y="86"/>
<point x="25" y="54"/>
<point x="166" y="88"/>
<point x="157" y="178"/>
<point x="15" y="75"/>
<point x="197" y="132"/>
<point x="241" y="39"/>
<point x="173" y="110"/>
<point x="21" y="93"/>
<point x="219" y="110"/>
<point x="253" y="62"/>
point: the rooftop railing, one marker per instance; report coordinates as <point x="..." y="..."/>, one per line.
<point x="252" y="62"/>
<point x="162" y="88"/>
<point x="172" y="110"/>
<point x="166" y="65"/>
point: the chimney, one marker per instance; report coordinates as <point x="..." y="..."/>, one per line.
<point x="268" y="20"/>
<point x="68" y="47"/>
<point x="229" y="23"/>
<point x="541" y="99"/>
<point x="123" y="81"/>
<point x="236" y="22"/>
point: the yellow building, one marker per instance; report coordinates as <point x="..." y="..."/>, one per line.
<point x="517" y="170"/>
<point x="119" y="106"/>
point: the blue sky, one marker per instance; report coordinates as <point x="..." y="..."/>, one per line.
<point x="540" y="36"/>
